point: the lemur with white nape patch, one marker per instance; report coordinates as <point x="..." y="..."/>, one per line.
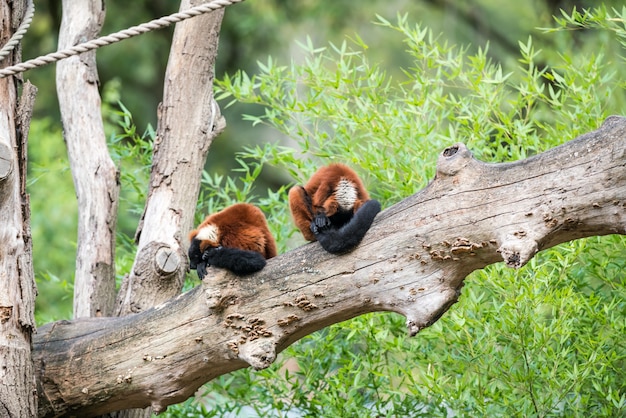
<point x="237" y="239"/>
<point x="333" y="208"/>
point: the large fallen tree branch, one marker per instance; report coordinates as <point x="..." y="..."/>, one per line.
<point x="413" y="261"/>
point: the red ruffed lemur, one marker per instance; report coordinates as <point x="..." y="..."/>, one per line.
<point x="236" y="238"/>
<point x="333" y="208"/>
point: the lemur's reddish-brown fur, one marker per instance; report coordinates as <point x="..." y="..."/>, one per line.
<point x="242" y="226"/>
<point x="319" y="195"/>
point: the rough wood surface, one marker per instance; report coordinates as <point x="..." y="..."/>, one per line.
<point x="413" y="261"/>
<point x="96" y="179"/>
<point x="17" y="282"/>
<point x="189" y="120"/>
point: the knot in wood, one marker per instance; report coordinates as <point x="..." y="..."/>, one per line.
<point x="429" y="309"/>
<point x="516" y="251"/>
<point x="450" y="151"/>
<point x="160" y="258"/>
<point x="259" y="353"/>
<point x="167" y="261"/>
<point x="5" y="313"/>
<point x="453" y="159"/>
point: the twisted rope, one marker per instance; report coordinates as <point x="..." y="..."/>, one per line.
<point x="19" y="34"/>
<point x="116" y="37"/>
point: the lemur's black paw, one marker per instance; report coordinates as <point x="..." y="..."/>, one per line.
<point x="320" y="223"/>
<point x="210" y="253"/>
<point x="201" y="270"/>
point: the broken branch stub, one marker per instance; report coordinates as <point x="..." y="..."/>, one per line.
<point x="412" y="261"/>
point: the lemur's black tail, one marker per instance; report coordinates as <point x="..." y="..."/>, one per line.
<point x="240" y="262"/>
<point x="344" y="239"/>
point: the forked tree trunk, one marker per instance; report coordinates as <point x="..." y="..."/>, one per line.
<point x="413" y="261"/>
<point x="179" y="156"/>
<point x="17" y="284"/>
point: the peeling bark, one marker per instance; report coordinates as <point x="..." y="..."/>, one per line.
<point x="413" y="261"/>
<point x="17" y="282"/>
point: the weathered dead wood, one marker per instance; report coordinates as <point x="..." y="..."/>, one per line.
<point x="189" y="120"/>
<point x="413" y="261"/>
<point x="96" y="178"/>
<point x="17" y="281"/>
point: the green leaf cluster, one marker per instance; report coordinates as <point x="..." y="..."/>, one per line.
<point x="53" y="220"/>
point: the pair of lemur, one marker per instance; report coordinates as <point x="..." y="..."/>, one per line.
<point x="333" y="208"/>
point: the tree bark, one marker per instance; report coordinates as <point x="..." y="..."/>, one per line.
<point x="96" y="178"/>
<point x="413" y="261"/>
<point x="17" y="283"/>
<point x="189" y="120"/>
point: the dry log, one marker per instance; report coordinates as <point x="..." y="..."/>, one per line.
<point x="413" y="261"/>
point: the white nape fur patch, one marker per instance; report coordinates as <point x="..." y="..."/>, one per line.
<point x="208" y="233"/>
<point x="345" y="194"/>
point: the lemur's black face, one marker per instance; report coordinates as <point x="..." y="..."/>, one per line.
<point x="195" y="255"/>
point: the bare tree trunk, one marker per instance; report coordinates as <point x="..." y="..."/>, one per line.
<point x="17" y="284"/>
<point x="413" y="261"/>
<point x="189" y="120"/>
<point x="95" y="176"/>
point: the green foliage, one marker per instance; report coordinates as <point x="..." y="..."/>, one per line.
<point x="53" y="220"/>
<point x="545" y="340"/>
<point x="132" y="154"/>
<point x="596" y="18"/>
